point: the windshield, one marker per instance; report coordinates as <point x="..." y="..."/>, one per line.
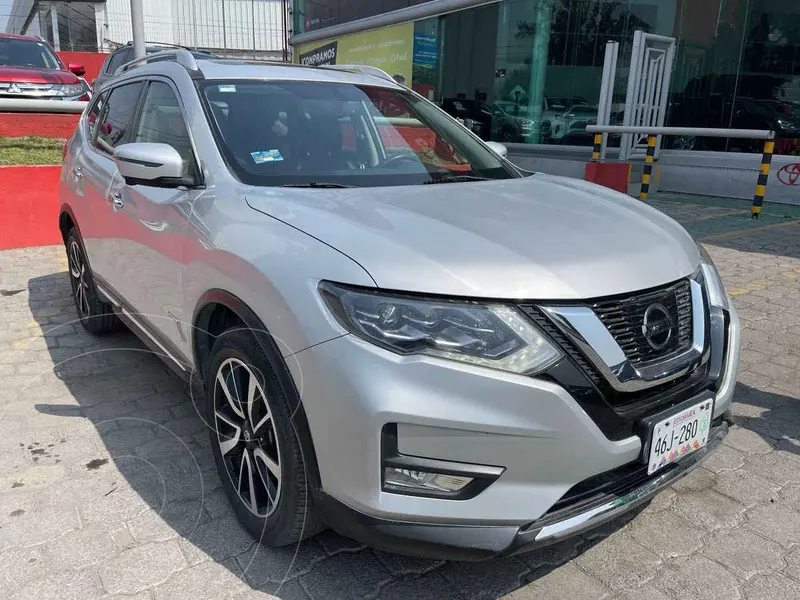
<point x="27" y="53"/>
<point x="276" y="133"/>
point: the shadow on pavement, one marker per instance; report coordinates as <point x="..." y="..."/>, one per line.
<point x="165" y="485"/>
<point x="776" y="417"/>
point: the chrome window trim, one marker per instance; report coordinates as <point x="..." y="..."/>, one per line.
<point x="583" y="327"/>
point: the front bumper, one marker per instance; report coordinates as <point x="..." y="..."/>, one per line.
<point x="476" y="542"/>
<point x="540" y="434"/>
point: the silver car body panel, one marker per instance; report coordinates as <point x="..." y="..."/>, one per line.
<point x="496" y="239"/>
<point x="539" y="238"/>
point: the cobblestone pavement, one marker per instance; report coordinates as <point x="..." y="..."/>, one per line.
<point x="108" y="488"/>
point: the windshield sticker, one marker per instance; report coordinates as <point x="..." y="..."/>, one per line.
<point x="226" y="88"/>
<point x="265" y="156"/>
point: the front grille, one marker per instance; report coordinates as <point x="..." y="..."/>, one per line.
<point x="624" y="317"/>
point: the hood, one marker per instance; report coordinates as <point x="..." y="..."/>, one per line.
<point x="540" y="237"/>
<point x="36" y="75"/>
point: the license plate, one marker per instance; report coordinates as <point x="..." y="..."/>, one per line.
<point x="679" y="435"/>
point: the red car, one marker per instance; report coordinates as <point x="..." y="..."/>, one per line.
<point x="30" y="68"/>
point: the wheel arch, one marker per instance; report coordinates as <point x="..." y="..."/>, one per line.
<point x="66" y="221"/>
<point x="219" y="310"/>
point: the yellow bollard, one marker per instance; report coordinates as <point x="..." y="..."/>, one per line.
<point x="598" y="141"/>
<point x="648" y="166"/>
<point x="763" y="177"/>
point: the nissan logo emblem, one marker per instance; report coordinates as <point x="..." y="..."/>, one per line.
<point x="657" y="326"/>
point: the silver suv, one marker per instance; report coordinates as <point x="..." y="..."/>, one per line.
<point x="398" y="333"/>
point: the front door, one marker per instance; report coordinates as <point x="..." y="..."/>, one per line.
<point x="148" y="265"/>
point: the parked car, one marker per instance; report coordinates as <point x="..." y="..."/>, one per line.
<point x="125" y="54"/>
<point x="475" y="115"/>
<point x="427" y="349"/>
<point x="510" y="122"/>
<point x="30" y="68"/>
<point x="748" y="101"/>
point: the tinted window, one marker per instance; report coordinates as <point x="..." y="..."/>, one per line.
<point x="27" y="53"/>
<point x="290" y="133"/>
<point x="161" y="122"/>
<point x="118" y="116"/>
<point x="117" y="60"/>
<point x="94" y="114"/>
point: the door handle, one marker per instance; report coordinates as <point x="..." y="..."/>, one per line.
<point x="77" y="172"/>
<point x="116" y="201"/>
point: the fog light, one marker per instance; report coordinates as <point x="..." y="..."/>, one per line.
<point x="422" y="480"/>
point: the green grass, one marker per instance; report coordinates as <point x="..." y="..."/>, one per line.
<point x="30" y="151"/>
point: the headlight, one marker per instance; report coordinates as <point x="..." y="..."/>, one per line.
<point x="717" y="295"/>
<point x="490" y="335"/>
<point x="68" y="89"/>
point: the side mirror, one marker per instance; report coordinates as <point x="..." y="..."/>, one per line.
<point x="498" y="148"/>
<point x="77" y="69"/>
<point x="144" y="163"/>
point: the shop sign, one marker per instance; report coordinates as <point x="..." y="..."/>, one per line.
<point x="324" y="55"/>
<point x="387" y="48"/>
<point x="425" y="53"/>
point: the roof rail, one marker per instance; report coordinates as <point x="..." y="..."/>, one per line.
<point x="162" y="45"/>
<point x="182" y="57"/>
<point x="365" y="69"/>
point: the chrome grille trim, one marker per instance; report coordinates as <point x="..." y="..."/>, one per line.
<point x="585" y="329"/>
<point x="623" y="319"/>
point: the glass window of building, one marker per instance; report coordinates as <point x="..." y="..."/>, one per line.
<point x="529" y="71"/>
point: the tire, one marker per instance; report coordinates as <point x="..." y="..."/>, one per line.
<point x="257" y="438"/>
<point x="95" y="315"/>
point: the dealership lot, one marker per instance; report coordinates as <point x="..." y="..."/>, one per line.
<point x="108" y="487"/>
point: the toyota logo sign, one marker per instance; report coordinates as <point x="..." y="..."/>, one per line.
<point x="789" y="174"/>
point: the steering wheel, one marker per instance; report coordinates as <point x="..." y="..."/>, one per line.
<point x="400" y="159"/>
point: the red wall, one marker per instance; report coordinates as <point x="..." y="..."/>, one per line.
<point x="91" y="61"/>
<point x="30" y="214"/>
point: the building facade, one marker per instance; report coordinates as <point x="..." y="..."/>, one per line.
<point x="530" y="71"/>
<point x="229" y="27"/>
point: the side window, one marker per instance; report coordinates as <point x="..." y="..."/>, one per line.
<point x="117" y="117"/>
<point x="116" y="60"/>
<point x="161" y="122"/>
<point x="94" y="116"/>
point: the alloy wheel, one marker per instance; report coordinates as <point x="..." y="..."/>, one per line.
<point x="248" y="438"/>
<point x="78" y="278"/>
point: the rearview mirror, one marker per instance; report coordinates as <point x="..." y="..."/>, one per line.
<point x="144" y="163"/>
<point x="498" y="148"/>
<point x="77" y="69"/>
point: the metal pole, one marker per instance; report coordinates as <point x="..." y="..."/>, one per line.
<point x="54" y="25"/>
<point x="541" y="44"/>
<point x="634" y="75"/>
<point x="648" y="166"/>
<point x="253" y="19"/>
<point x="763" y="177"/>
<point x="137" y="23"/>
<point x="224" y="31"/>
<point x="607" y="91"/>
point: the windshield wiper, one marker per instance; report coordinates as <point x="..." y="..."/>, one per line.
<point x="455" y="179"/>
<point x="317" y="184"/>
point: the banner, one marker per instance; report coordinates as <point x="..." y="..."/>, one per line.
<point x="425" y="50"/>
<point x="388" y="48"/>
<point x="324" y="55"/>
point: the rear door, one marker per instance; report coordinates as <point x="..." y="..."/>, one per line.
<point x="100" y="231"/>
